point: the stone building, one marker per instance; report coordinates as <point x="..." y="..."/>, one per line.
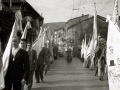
<point x="59" y="36"/>
<point x="71" y="28"/>
<point x="84" y="25"/>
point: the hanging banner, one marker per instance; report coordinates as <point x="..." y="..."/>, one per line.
<point x="113" y="56"/>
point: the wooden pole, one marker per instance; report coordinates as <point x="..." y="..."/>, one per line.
<point x="10" y="4"/>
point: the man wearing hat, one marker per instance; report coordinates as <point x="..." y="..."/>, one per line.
<point x="18" y="67"/>
<point x="32" y="64"/>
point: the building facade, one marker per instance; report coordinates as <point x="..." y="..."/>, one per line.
<point x="28" y="14"/>
<point x="71" y="29"/>
<point x="59" y="36"/>
<point x="75" y="32"/>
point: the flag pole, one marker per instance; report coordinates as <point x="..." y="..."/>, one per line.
<point x="10" y="4"/>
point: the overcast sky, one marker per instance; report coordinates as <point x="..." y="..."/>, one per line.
<point x="61" y="10"/>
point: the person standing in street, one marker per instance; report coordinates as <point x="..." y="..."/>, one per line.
<point x="40" y="66"/>
<point x="32" y="64"/>
<point x="102" y="63"/>
<point x="69" y="57"/>
<point x="18" y="67"/>
<point x="55" y="52"/>
<point x="47" y="59"/>
<point x="22" y="45"/>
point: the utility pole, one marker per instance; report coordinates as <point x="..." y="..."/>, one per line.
<point x="10" y="4"/>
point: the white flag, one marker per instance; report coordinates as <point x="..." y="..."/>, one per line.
<point x="28" y="25"/>
<point x="38" y="44"/>
<point x="85" y="48"/>
<point x="113" y="56"/>
<point x="90" y="48"/>
<point x="6" y="54"/>
<point x="18" y="16"/>
<point x="82" y="48"/>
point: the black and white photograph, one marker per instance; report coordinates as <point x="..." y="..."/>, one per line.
<point x="59" y="45"/>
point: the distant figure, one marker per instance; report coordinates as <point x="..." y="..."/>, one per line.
<point x="98" y="54"/>
<point x="102" y="63"/>
<point x="55" y="52"/>
<point x="18" y="67"/>
<point x="47" y="59"/>
<point x="69" y="57"/>
<point x="32" y="64"/>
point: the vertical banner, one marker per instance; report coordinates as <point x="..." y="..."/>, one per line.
<point x="113" y="56"/>
<point x="37" y="45"/>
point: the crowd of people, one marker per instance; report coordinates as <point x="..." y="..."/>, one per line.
<point x="98" y="62"/>
<point x="23" y="62"/>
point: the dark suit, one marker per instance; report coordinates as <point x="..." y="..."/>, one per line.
<point x="97" y="56"/>
<point x="40" y="65"/>
<point x="32" y="65"/>
<point x="33" y="61"/>
<point x="17" y="70"/>
<point x="47" y="59"/>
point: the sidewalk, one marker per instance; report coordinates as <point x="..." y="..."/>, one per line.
<point x="70" y="76"/>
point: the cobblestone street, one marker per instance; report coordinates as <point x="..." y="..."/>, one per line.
<point x="70" y="76"/>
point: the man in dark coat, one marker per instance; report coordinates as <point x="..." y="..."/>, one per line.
<point x="47" y="59"/>
<point x="32" y="64"/>
<point x="55" y="52"/>
<point x="40" y="66"/>
<point x="18" y="67"/>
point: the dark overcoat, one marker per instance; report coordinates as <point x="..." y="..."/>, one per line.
<point x="33" y="61"/>
<point x="19" y="68"/>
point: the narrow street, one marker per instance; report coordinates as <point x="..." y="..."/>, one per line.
<point x="70" y="76"/>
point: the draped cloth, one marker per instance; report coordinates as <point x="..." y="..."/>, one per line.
<point x="1" y="80"/>
<point x="1" y="73"/>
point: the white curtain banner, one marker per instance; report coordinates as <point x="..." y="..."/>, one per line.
<point x="113" y="56"/>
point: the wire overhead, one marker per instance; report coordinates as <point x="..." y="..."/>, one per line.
<point x="72" y="9"/>
<point x="79" y="7"/>
<point x="106" y="4"/>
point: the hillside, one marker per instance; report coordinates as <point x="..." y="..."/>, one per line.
<point x="55" y="25"/>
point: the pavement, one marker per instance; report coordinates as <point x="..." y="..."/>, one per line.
<point x="70" y="76"/>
